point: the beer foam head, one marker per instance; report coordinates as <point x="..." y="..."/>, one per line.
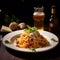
<point x="38" y="13"/>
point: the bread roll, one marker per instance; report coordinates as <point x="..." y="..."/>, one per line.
<point x="13" y="25"/>
<point x="5" y="29"/>
<point x="22" y="25"/>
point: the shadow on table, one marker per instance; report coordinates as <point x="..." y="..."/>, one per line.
<point x="51" y="54"/>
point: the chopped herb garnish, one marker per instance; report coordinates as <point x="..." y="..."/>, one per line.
<point x="54" y="40"/>
<point x="6" y="41"/>
<point x="33" y="49"/>
<point x="30" y="29"/>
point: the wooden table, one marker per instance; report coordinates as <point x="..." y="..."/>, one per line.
<point x="9" y="54"/>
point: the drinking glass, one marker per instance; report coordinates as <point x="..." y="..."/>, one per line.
<point x="38" y="17"/>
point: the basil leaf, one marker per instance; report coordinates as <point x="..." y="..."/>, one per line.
<point x="30" y="29"/>
<point x="6" y="41"/>
<point x="18" y="35"/>
<point x="33" y="49"/>
<point x="54" y="40"/>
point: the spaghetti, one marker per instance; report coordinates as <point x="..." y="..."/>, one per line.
<point x="31" y="38"/>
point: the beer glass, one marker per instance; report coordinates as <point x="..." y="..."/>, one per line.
<point x="38" y="17"/>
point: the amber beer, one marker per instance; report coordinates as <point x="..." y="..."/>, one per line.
<point x="38" y="18"/>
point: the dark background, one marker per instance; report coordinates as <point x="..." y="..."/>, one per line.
<point x="23" y="9"/>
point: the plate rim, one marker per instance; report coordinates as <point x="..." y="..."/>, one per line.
<point x="3" y="41"/>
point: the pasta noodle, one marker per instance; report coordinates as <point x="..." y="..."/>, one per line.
<point x="31" y="40"/>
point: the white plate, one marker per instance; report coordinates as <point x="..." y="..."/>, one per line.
<point x="46" y="34"/>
